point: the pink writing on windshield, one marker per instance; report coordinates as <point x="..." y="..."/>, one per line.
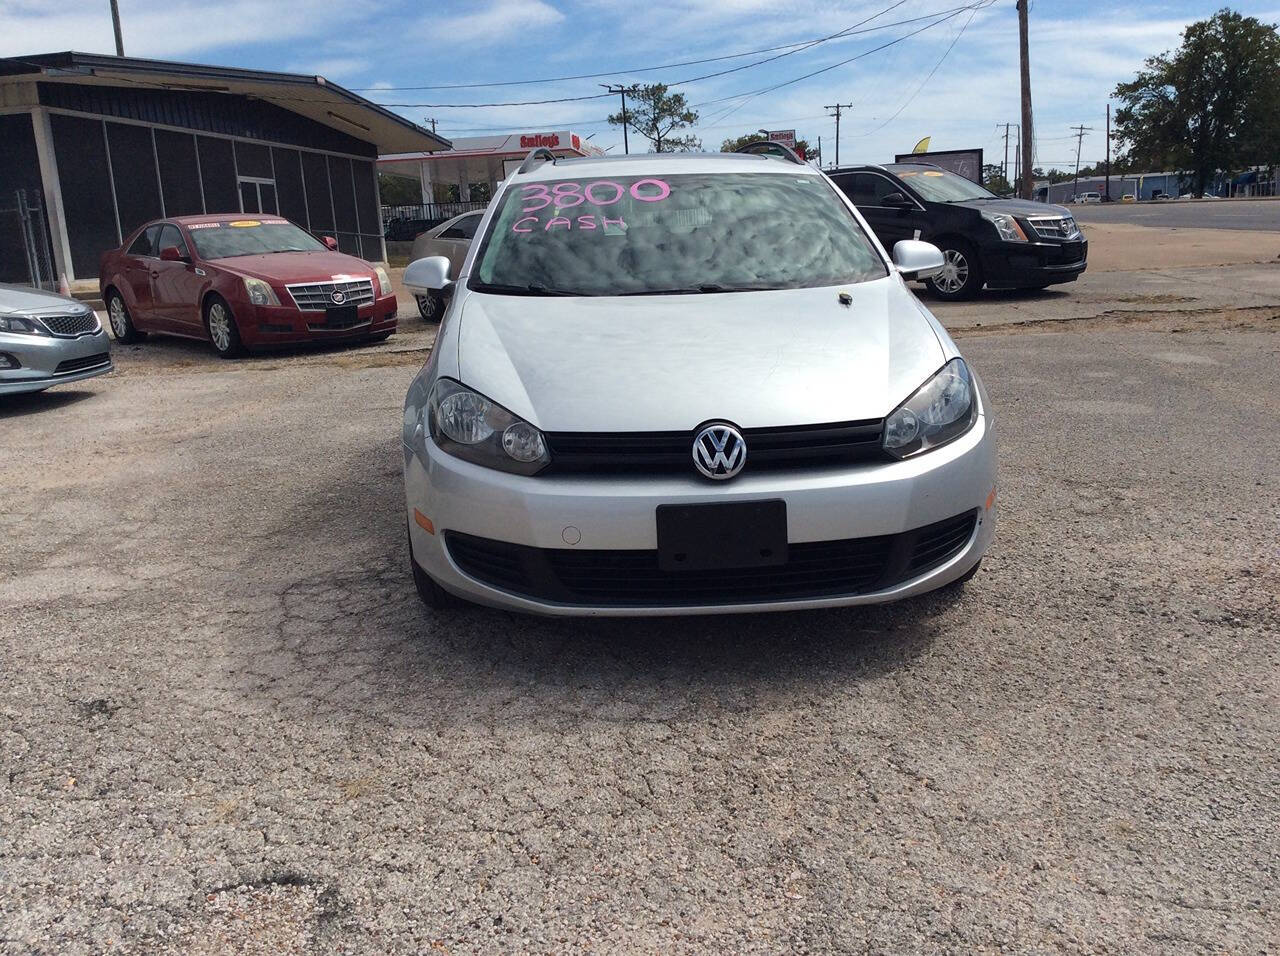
<point x="581" y="224"/>
<point x="603" y="192"/>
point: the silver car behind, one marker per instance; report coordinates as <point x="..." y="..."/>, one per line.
<point x="48" y="339"/>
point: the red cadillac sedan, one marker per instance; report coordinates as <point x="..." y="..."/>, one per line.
<point x="242" y="283"/>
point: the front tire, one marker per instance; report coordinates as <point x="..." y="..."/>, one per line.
<point x="433" y="595"/>
<point x="121" y="321"/>
<point x="220" y="323"/>
<point x="961" y="275"/>
<point x="430" y="307"/>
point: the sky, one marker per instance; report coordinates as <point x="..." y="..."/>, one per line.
<point x="955" y="80"/>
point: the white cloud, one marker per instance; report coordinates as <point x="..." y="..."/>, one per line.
<point x="498" y="22"/>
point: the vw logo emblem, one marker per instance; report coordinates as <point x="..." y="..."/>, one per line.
<point x="338" y="296"/>
<point x="719" y="451"/>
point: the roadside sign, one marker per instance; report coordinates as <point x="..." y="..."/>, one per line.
<point x="784" y="137"/>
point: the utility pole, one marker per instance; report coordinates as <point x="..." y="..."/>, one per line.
<point x="115" y="22"/>
<point x="431" y="120"/>
<point x="1109" y="156"/>
<point x="838" y="107"/>
<point x="819" y="152"/>
<point x="1079" y="131"/>
<point x="1005" y="169"/>
<point x="623" y="91"/>
<point x="1028" y="139"/>
<point x="1017" y="160"/>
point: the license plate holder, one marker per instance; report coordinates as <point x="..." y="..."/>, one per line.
<point x="732" y="534"/>
<point x="341" y="316"/>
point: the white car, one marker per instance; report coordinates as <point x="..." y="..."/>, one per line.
<point x="677" y="384"/>
<point x="1089" y="198"/>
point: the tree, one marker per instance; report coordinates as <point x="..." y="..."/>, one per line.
<point x="1214" y="103"/>
<point x="398" y="190"/>
<point x="993" y="179"/>
<point x="733" y="145"/>
<point x="656" y="114"/>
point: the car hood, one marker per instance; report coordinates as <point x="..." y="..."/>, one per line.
<point x="295" y="266"/>
<point x="28" y="301"/>
<point x="1014" y="207"/>
<point x="666" y="363"/>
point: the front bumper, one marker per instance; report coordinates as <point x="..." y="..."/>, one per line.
<point x="618" y="514"/>
<point x="46" y="360"/>
<point x="262" y="325"/>
<point x="1015" y="265"/>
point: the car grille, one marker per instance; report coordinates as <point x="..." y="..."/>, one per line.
<point x="318" y="296"/>
<point x="80" y="364"/>
<point x="69" y="326"/>
<point x="1055" y="227"/>
<point x="767" y="448"/>
<point x="633" y="579"/>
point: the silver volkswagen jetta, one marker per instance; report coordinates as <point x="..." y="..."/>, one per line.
<point x="48" y="339"/>
<point x="689" y="384"/>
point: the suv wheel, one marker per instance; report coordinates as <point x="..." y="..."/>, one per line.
<point x="961" y="275"/>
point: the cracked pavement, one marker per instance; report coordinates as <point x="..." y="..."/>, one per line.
<point x="227" y="724"/>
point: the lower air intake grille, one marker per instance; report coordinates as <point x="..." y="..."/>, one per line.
<point x="633" y="579"/>
<point x="81" y="364"/>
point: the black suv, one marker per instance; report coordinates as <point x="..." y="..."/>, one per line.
<point x="1000" y="243"/>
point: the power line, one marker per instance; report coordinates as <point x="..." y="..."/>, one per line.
<point x="647" y="69"/>
<point x="937" y="18"/>
<point x="923" y="83"/>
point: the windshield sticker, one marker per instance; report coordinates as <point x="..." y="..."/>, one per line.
<point x="603" y="192"/>
<point x="932" y="173"/>
<point x="203" y="225"/>
<point x="244" y="223"/>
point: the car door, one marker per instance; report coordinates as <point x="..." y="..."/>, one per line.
<point x="138" y="260"/>
<point x="175" y="286"/>
<point x="892" y="220"/>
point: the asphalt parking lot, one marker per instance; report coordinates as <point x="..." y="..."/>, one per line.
<point x="229" y="725"/>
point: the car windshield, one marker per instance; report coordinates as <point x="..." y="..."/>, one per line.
<point x="938" y="185"/>
<point x="250" y="237"/>
<point x="672" y="234"/>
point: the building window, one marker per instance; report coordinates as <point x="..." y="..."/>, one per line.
<point x="257" y="195"/>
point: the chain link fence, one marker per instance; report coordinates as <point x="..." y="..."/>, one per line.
<point x="25" y="256"/>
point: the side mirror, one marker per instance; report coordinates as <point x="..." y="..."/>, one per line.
<point x="171" y="254"/>
<point x="427" y="275"/>
<point x="895" y="201"/>
<point x="916" y="259"/>
<point x="330" y="243"/>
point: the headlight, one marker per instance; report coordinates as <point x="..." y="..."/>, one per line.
<point x="260" y="293"/>
<point x="466" y="424"/>
<point x="16" y="323"/>
<point x="941" y="410"/>
<point x="384" y="281"/>
<point x="1006" y="226"/>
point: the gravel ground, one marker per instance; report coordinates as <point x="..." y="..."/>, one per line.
<point x="228" y="725"/>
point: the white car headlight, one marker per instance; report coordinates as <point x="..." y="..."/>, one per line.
<point x="384" y="280"/>
<point x="1006" y="226"/>
<point x="469" y="426"/>
<point x="939" y="411"/>
<point x="260" y="292"/>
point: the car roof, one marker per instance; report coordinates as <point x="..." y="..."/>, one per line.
<point x="220" y="217"/>
<point x="648" y="164"/>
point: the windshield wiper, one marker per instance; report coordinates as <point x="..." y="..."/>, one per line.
<point x="531" y="289"/>
<point x="704" y="289"/>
